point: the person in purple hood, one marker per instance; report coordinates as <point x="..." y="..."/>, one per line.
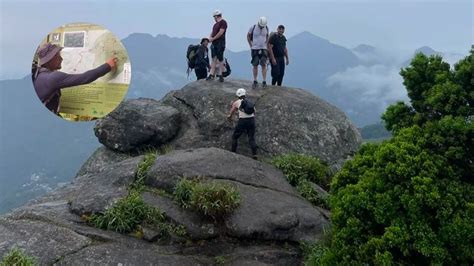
<point x="49" y="82"/>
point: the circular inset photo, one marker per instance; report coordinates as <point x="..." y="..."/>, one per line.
<point x="81" y="71"/>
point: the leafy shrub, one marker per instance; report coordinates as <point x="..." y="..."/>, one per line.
<point x="313" y="253"/>
<point x="127" y="214"/>
<point x="410" y="200"/>
<point x="210" y="199"/>
<point x="297" y="167"/>
<point x="17" y="257"/>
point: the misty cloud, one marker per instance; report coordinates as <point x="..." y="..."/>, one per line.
<point x="376" y="85"/>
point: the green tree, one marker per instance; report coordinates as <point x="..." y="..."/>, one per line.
<point x="435" y="90"/>
<point x="409" y="200"/>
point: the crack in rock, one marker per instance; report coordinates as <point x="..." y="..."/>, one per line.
<point x="187" y="105"/>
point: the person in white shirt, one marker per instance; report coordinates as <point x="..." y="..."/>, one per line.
<point x="257" y="38"/>
<point x="246" y="123"/>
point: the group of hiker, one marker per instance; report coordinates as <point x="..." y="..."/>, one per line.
<point x="266" y="48"/>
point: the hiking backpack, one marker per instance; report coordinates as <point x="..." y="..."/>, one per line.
<point x="191" y="55"/>
<point x="253" y="29"/>
<point x="247" y="107"/>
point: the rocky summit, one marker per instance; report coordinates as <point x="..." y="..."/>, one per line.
<point x="266" y="228"/>
<point x="288" y="120"/>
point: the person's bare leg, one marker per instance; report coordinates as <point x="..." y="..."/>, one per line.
<point x="219" y="67"/>
<point x="264" y="72"/>
<point x="255" y="72"/>
<point x="213" y="66"/>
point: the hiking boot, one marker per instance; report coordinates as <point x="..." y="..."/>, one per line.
<point x="221" y="78"/>
<point x="264" y="84"/>
<point x="255" y="84"/>
<point x="211" y="77"/>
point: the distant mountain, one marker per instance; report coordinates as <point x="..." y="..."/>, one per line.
<point x="426" y="50"/>
<point x="375" y="131"/>
<point x="364" y="48"/>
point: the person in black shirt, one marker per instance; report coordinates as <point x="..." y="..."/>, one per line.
<point x="202" y="60"/>
<point x="278" y="53"/>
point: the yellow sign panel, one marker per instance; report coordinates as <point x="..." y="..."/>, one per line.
<point x="93" y="100"/>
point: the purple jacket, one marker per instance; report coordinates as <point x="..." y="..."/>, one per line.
<point x="48" y="84"/>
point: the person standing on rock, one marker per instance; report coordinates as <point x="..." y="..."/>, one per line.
<point x="49" y="82"/>
<point x="202" y="60"/>
<point x="217" y="38"/>
<point x="246" y="123"/>
<point x="257" y="38"/>
<point x="278" y="53"/>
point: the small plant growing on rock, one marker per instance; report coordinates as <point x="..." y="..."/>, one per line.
<point x="210" y="199"/>
<point x="297" y="167"/>
<point x="17" y="257"/>
<point x="300" y="170"/>
<point x="142" y="169"/>
<point x="220" y="260"/>
<point x="127" y="214"/>
<point x="308" y="192"/>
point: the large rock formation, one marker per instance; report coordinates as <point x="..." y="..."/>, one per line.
<point x="266" y="228"/>
<point x="288" y="120"/>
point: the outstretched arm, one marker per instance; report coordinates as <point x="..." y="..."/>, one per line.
<point x="62" y="80"/>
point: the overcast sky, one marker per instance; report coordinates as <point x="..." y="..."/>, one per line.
<point x="446" y="26"/>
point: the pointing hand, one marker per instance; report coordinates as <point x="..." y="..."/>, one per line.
<point x="113" y="62"/>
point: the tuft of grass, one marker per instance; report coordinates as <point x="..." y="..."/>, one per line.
<point x="308" y="192"/>
<point x="127" y="214"/>
<point x="210" y="199"/>
<point x="17" y="257"/>
<point x="297" y="167"/>
<point x="164" y="149"/>
<point x="143" y="168"/>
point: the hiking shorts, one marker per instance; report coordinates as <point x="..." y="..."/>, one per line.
<point x="217" y="51"/>
<point x="259" y="57"/>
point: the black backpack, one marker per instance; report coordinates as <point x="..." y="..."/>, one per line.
<point x="227" y="67"/>
<point x="191" y="55"/>
<point x="253" y="29"/>
<point x="247" y="107"/>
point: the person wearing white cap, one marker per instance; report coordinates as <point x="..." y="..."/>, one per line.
<point x="49" y="82"/>
<point x="257" y="38"/>
<point x="217" y="38"/>
<point x="246" y="123"/>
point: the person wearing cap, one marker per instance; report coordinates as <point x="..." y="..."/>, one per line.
<point x="246" y="123"/>
<point x="217" y="38"/>
<point x="257" y="38"/>
<point x="278" y="53"/>
<point x="202" y="60"/>
<point x="49" y="82"/>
